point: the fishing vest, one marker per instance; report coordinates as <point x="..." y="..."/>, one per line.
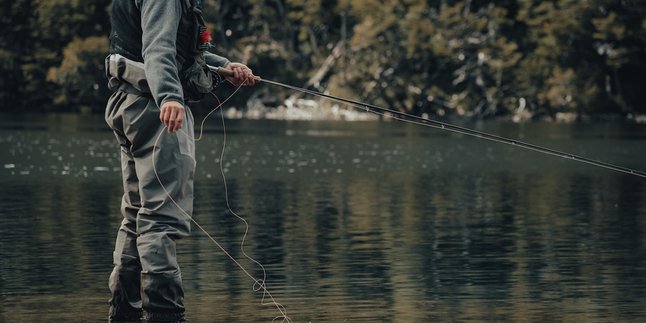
<point x="125" y="62"/>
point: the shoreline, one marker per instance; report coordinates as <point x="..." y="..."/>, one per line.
<point x="312" y="110"/>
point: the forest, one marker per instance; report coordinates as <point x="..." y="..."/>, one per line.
<point x="474" y="59"/>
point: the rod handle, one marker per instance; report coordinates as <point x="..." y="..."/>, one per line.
<point x="227" y="72"/>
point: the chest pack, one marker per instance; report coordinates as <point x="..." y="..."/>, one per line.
<point x="201" y="36"/>
<point x="197" y="79"/>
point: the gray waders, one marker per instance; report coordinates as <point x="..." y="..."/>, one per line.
<point x="146" y="280"/>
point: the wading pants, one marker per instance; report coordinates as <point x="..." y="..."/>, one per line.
<point x="146" y="281"/>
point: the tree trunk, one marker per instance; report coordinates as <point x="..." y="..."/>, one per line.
<point x="322" y="72"/>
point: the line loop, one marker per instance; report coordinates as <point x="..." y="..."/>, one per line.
<point x="259" y="283"/>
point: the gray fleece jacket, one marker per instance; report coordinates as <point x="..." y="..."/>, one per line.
<point x="160" y="20"/>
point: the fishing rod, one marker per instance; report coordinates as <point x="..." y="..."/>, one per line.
<point x="410" y="118"/>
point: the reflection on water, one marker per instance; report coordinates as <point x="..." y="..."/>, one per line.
<point x="353" y="221"/>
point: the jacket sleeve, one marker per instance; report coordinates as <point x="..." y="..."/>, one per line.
<point x="159" y="23"/>
<point x="215" y="60"/>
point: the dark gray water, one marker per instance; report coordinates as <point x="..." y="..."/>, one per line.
<point x="353" y="221"/>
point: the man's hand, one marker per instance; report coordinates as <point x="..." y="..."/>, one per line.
<point x="172" y="115"/>
<point x="242" y="75"/>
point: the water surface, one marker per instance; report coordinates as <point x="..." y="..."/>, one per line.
<point x="353" y="222"/>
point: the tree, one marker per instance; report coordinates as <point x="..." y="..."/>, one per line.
<point x="470" y="58"/>
<point x="81" y="75"/>
<point x="34" y="34"/>
<point x="619" y="32"/>
<point x="16" y="36"/>
<point x="451" y="58"/>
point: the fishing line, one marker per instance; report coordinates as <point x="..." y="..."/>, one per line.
<point x="413" y="119"/>
<point x="258" y="284"/>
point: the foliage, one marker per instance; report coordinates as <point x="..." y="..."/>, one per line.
<point x="33" y="36"/>
<point x="80" y="75"/>
<point x="468" y="58"/>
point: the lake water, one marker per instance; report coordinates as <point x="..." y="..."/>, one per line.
<point x="361" y="221"/>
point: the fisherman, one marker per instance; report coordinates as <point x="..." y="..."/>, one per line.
<point x="157" y="63"/>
